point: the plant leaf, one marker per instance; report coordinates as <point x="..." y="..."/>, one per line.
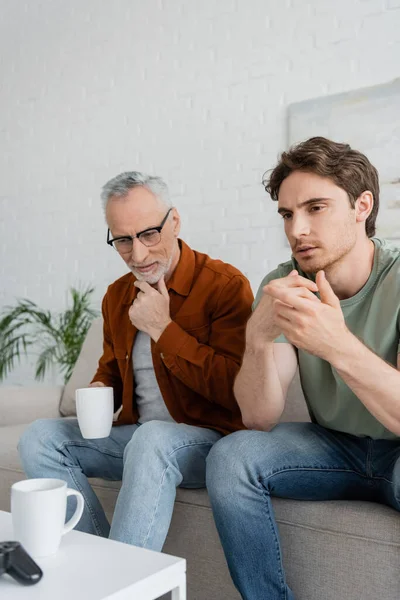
<point x="59" y="339"/>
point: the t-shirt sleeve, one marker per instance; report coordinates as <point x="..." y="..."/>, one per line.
<point x="276" y="274"/>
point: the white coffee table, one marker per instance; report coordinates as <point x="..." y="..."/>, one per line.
<point x="87" y="567"/>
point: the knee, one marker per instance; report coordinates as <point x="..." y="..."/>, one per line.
<point x="240" y="461"/>
<point x="31" y="438"/>
<point x="225" y="463"/>
<point x="153" y="437"/>
<point x="38" y="436"/>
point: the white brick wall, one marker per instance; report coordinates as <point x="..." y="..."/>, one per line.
<point x="193" y="91"/>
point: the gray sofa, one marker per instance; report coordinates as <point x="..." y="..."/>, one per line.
<point x="332" y="550"/>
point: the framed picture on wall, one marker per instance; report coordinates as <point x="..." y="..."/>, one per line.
<point x="369" y="120"/>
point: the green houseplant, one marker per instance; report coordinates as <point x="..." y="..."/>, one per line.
<point x="56" y="338"/>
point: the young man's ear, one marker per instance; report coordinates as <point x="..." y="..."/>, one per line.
<point x="364" y="206"/>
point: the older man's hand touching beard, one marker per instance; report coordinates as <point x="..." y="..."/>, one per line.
<point x="150" y="310"/>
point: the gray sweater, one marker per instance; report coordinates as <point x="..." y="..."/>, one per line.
<point x="150" y="403"/>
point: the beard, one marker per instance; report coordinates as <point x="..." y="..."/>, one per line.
<point x="155" y="276"/>
<point x="163" y="266"/>
<point x="328" y="258"/>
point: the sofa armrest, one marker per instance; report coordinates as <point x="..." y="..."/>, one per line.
<point x="19" y="404"/>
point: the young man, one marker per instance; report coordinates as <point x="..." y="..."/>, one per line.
<point x="333" y="311"/>
<point x="174" y="336"/>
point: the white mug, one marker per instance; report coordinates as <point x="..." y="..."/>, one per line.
<point x="38" y="508"/>
<point x="95" y="409"/>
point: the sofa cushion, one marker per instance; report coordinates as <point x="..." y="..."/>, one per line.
<point x="365" y="520"/>
<point x="9" y="437"/>
<point x="85" y="367"/>
<point x="19" y="404"/>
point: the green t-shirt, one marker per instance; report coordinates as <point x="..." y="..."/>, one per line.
<point x="373" y="315"/>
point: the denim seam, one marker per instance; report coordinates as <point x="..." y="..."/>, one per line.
<point x="289" y="469"/>
<point x="162" y="482"/>
<point x="153" y="518"/>
<point x="91" y="511"/>
<point x="86" y="445"/>
<point x="62" y="447"/>
<point x="330" y="469"/>
<point x="186" y="445"/>
<point x="368" y="460"/>
<point x="382" y="478"/>
<point x="268" y="507"/>
<point x="267" y="499"/>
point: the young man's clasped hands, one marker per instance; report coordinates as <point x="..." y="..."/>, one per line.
<point x="312" y="323"/>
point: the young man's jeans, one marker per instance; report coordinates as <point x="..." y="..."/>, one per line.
<point x="302" y="461"/>
<point x="152" y="459"/>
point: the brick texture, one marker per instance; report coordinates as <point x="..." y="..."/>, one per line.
<point x="193" y="91"/>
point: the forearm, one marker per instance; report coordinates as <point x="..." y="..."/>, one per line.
<point x="258" y="389"/>
<point x="375" y="383"/>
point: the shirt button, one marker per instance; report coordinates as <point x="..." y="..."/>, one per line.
<point x="162" y="355"/>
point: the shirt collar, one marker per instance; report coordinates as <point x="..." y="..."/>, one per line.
<point x="182" y="278"/>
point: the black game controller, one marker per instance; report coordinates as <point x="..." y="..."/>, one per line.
<point x="17" y="563"/>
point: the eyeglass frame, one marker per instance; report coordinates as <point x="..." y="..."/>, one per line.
<point x="132" y="237"/>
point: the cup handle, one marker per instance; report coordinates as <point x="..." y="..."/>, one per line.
<point x="74" y="520"/>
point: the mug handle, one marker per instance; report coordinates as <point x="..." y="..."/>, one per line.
<point x="74" y="520"/>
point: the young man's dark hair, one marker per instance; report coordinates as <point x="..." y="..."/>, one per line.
<point x="349" y="169"/>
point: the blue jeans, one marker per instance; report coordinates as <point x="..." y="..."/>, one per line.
<point x="302" y="461"/>
<point x="152" y="460"/>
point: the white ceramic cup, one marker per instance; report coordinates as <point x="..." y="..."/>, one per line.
<point x="38" y="509"/>
<point x="95" y="409"/>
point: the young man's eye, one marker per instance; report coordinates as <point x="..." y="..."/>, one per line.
<point x="316" y="208"/>
<point x="285" y="216"/>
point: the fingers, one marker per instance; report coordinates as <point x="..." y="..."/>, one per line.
<point x="143" y="286"/>
<point x="293" y="280"/>
<point x="296" y="280"/>
<point x="299" y="298"/>
<point x="146" y="288"/>
<point x="97" y="384"/>
<point x="162" y="288"/>
<point x="283" y="311"/>
<point x="326" y="293"/>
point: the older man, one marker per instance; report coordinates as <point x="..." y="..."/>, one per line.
<point x="174" y="330"/>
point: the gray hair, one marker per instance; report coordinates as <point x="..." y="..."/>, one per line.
<point x="122" y="183"/>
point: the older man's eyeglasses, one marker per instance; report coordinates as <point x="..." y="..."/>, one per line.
<point x="149" y="237"/>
